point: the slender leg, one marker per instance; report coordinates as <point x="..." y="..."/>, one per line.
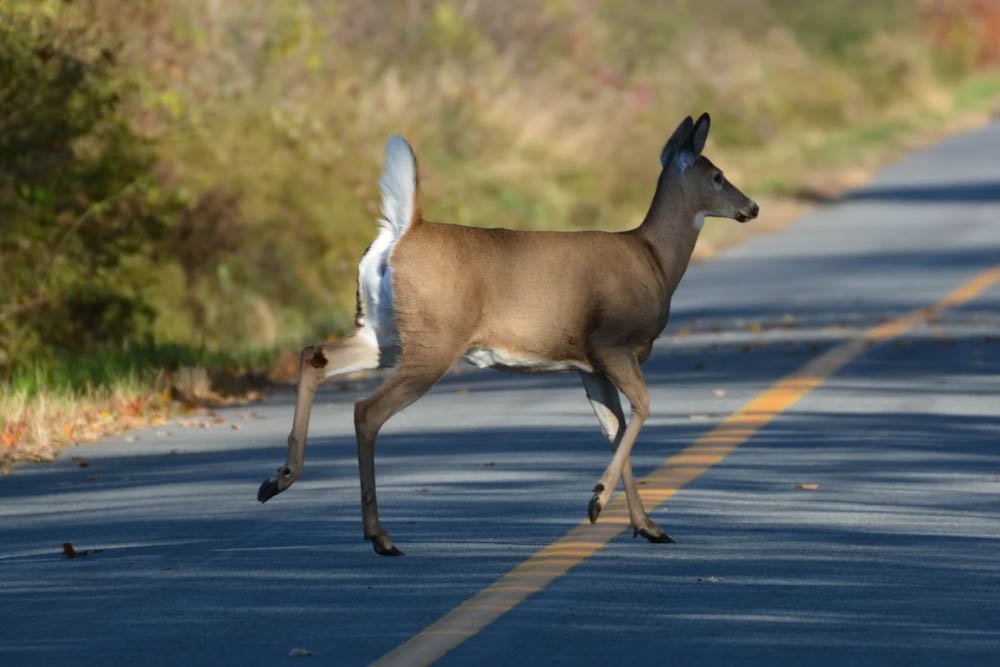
<point x="408" y="384"/>
<point x="622" y="368"/>
<point x="604" y="399"/>
<point x="316" y="363"/>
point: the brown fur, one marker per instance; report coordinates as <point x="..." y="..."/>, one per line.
<point x="442" y="274"/>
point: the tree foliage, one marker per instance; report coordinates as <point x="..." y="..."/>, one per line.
<point x="79" y="214"/>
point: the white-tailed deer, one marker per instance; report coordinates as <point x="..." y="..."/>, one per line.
<point x="592" y="302"/>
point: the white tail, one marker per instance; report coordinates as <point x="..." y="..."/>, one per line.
<point x="594" y="302"/>
<point x="399" y="187"/>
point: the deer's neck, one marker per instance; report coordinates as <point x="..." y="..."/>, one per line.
<point x="671" y="227"/>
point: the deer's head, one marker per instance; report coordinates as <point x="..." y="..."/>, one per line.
<point x="703" y="185"/>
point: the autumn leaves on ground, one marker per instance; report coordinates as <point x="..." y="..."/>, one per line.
<point x="185" y="187"/>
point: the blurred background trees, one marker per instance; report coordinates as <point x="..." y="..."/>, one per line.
<point x="203" y="172"/>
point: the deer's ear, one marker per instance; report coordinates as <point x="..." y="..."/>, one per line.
<point x="677" y="141"/>
<point x="700" y="133"/>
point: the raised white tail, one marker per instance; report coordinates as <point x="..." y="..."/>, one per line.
<point x="398" y="184"/>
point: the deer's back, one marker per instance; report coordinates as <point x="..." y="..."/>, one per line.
<point x="525" y="300"/>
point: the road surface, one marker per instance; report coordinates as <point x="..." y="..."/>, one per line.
<point x="890" y="554"/>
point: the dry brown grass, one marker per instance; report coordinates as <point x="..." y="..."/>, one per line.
<point x="36" y="426"/>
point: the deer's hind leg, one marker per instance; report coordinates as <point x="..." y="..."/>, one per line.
<point x="604" y="400"/>
<point x="316" y="364"/>
<point x="409" y="383"/>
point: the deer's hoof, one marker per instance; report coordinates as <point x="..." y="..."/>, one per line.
<point x="656" y="537"/>
<point x="594" y="510"/>
<point x="268" y="490"/>
<point x="282" y="479"/>
<point x="383" y="545"/>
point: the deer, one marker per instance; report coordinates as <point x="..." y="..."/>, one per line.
<point x="593" y="302"/>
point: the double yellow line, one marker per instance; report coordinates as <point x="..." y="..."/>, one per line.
<point x="585" y="539"/>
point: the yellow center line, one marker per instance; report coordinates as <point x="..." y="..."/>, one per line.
<point x="554" y="560"/>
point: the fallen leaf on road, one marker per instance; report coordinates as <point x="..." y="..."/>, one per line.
<point x="70" y="552"/>
<point x="235" y="427"/>
<point x="807" y="487"/>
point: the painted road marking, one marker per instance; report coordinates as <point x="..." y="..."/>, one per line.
<point x="585" y="539"/>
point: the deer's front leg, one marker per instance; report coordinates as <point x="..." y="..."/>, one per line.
<point x="622" y="368"/>
<point x="608" y="408"/>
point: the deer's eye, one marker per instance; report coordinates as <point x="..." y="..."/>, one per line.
<point x="718" y="178"/>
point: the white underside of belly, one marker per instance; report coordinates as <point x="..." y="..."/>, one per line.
<point x="487" y="357"/>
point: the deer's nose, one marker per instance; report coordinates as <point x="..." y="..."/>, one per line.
<point x="754" y="210"/>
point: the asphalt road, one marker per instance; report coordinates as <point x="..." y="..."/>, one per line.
<point x="894" y="558"/>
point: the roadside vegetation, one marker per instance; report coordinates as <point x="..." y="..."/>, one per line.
<point x="186" y="186"/>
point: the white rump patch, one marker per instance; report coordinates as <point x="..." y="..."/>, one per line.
<point x="378" y="321"/>
<point x="487" y="357"/>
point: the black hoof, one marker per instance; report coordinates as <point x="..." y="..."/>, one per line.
<point x="383" y="549"/>
<point x="662" y="538"/>
<point x="268" y="490"/>
<point x="594" y="510"/>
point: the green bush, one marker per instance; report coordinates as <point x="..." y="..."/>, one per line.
<point x="81" y="216"/>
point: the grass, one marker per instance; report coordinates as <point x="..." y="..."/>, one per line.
<point x="138" y="365"/>
<point x="50" y="406"/>
<point x="46" y="407"/>
<point x="828" y="156"/>
<point x="541" y="116"/>
<point x="35" y="426"/>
